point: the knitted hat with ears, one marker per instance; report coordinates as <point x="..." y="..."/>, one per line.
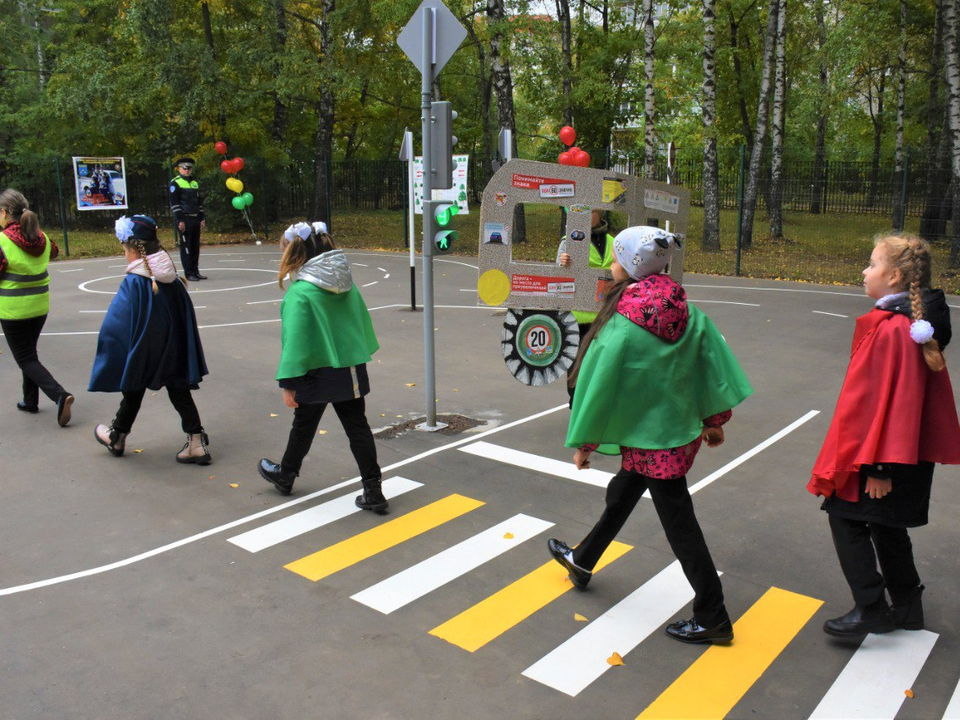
<point x="643" y="250"/>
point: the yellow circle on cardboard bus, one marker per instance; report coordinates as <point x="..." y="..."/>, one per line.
<point x="494" y="287"/>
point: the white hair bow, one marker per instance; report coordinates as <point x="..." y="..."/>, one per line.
<point x="300" y="229"/>
<point x="320" y="228"/>
<point x="124" y="228"/>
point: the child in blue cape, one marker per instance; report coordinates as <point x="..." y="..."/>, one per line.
<point x="654" y="379"/>
<point x="326" y="340"/>
<point x="149" y="340"/>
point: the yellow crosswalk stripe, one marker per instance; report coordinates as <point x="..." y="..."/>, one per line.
<point x="490" y="618"/>
<point x="723" y="674"/>
<point x="360" y="547"/>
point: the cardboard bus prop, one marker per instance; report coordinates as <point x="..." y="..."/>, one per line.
<point x="540" y="336"/>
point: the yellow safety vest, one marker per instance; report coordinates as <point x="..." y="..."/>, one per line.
<point x="584" y="318"/>
<point x="25" y="284"/>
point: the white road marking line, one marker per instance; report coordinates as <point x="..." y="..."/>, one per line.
<point x="572" y="666"/>
<point x="236" y="260"/>
<point x="263" y="513"/>
<point x="457" y="262"/>
<point x="538" y="463"/>
<point x="473" y="290"/>
<point x="316" y="517"/>
<point x="383" y="270"/>
<point x="71" y="270"/>
<point x="769" y="289"/>
<point x="425" y="577"/>
<point x="360" y="265"/>
<point x="263" y="302"/>
<point x="386" y="276"/>
<point x="953" y="709"/>
<point x="872" y="683"/>
<point x="94" y="311"/>
<point x="370" y="283"/>
<point x="199" y="307"/>
<point x="821" y="312"/>
<point x="724" y="302"/>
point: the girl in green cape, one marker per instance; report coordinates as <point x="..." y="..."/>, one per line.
<point x="654" y="379"/>
<point x="326" y="341"/>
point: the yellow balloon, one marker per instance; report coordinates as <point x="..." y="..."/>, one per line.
<point x="235" y="185"/>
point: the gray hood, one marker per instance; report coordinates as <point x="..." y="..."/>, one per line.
<point x="329" y="271"/>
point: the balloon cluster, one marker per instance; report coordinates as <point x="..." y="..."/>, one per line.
<point x="572" y="155"/>
<point x="242" y="200"/>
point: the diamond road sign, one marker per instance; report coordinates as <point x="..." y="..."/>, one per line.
<point x="448" y="33"/>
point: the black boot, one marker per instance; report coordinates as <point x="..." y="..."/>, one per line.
<point x="372" y="498"/>
<point x="273" y="473"/>
<point x="908" y="613"/>
<point x="860" y="621"/>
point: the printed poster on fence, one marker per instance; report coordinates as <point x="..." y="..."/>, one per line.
<point x="457" y="194"/>
<point x="100" y="182"/>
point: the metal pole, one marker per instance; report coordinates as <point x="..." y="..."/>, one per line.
<point x="63" y="211"/>
<point x="409" y="228"/>
<point x="740" y="209"/>
<point x="430" y="382"/>
<point x="902" y="220"/>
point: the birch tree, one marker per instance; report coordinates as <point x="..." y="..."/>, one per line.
<point x="819" y="152"/>
<point x="898" y="209"/>
<point x="566" y="48"/>
<point x="779" y="113"/>
<point x="649" y="98"/>
<point x="933" y="221"/>
<point x="760" y="134"/>
<point x="711" y="176"/>
<point x="323" y="144"/>
<point x="951" y="17"/>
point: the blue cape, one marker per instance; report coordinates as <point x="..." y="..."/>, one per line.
<point x="148" y="341"/>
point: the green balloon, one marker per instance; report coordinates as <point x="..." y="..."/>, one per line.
<point x="238" y="202"/>
<point x="247" y="198"/>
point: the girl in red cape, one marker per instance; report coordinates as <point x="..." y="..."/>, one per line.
<point x="895" y="418"/>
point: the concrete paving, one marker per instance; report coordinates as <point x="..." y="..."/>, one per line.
<point x="121" y="595"/>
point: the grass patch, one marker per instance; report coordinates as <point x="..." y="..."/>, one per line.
<point x="827" y="249"/>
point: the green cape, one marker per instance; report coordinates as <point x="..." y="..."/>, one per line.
<point x="323" y="329"/>
<point x="636" y="390"/>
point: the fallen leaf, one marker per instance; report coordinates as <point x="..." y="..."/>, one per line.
<point x="234" y="485"/>
<point x="455" y="390"/>
<point x="383" y="414"/>
<point x="411" y="384"/>
<point x="908" y="693"/>
<point x="321" y="432"/>
<point x="273" y="414"/>
<point x="399" y="416"/>
<point x="508" y="536"/>
<point x="580" y="618"/>
<point x="211" y="477"/>
<point x="615" y="659"/>
<point x="138" y="450"/>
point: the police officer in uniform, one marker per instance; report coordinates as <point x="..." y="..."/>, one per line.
<point x="188" y="216"/>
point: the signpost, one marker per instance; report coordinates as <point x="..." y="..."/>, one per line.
<point x="430" y="39"/>
<point x="407" y="156"/>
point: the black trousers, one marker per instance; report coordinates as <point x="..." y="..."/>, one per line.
<point x="180" y="398"/>
<point x="675" y="508"/>
<point x="190" y="246"/>
<point x="860" y="545"/>
<point x="353" y="417"/>
<point x="22" y="337"/>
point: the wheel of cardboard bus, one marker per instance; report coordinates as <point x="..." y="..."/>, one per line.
<point x="539" y="346"/>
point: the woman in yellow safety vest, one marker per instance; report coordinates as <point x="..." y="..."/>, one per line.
<point x="25" y="300"/>
<point x="601" y="256"/>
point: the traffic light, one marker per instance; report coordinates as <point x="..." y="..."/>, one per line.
<point x="442" y="141"/>
<point x="444" y="238"/>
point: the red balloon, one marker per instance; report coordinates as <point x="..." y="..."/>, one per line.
<point x="573" y="151"/>
<point x="221" y="147"/>
<point x="582" y="159"/>
<point x="568" y="136"/>
<point x="225" y="166"/>
<point x="564" y="159"/>
<point x="238" y="164"/>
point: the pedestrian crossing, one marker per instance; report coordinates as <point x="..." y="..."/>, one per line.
<point x="711" y="687"/>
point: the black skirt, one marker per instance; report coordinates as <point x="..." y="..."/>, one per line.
<point x="905" y="506"/>
<point x="329" y="385"/>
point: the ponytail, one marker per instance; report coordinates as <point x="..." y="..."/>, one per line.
<point x="18" y="208"/>
<point x="293" y="259"/>
<point x="29" y="226"/>
<point x="614" y="291"/>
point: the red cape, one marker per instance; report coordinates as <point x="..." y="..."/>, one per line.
<point x="892" y="409"/>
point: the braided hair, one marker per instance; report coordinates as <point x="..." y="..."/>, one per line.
<point x="144" y="248"/>
<point x="911" y="256"/>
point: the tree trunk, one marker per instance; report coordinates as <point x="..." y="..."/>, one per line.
<point x="325" y="116"/>
<point x="877" y="119"/>
<point x="484" y="88"/>
<point x="933" y="221"/>
<point x="899" y="211"/>
<point x="566" y="72"/>
<point x="738" y="74"/>
<point x="208" y="34"/>
<point x="952" y="71"/>
<point x="779" y="115"/>
<point x="649" y="97"/>
<point x="756" y="155"/>
<point x="279" y="126"/>
<point x="711" y="175"/>
<point x="816" y="188"/>
<point x="503" y="88"/>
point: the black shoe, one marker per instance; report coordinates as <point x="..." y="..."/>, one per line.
<point x="860" y="621"/>
<point x="63" y="409"/>
<point x="193" y="278"/>
<point x="908" y="615"/>
<point x="690" y="631"/>
<point x="277" y="476"/>
<point x="198" y="276"/>
<point x="28" y="408"/>
<point x="564" y="555"/>
<point x="372" y="498"/>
